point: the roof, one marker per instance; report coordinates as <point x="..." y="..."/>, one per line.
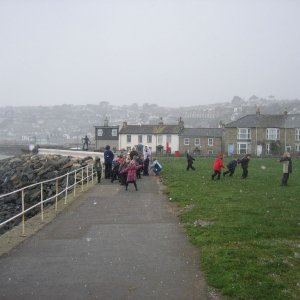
<point x="150" y="129"/>
<point x="261" y="121"/>
<point x="201" y="132"/>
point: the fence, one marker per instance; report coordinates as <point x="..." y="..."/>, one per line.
<point x="86" y="174"/>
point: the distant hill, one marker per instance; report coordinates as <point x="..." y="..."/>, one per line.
<point x="62" y="124"/>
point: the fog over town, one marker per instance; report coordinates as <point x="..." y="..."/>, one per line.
<point x="170" y="53"/>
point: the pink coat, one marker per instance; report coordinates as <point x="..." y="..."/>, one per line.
<point x="131" y="171"/>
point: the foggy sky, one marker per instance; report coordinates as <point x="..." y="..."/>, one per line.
<point x="167" y="52"/>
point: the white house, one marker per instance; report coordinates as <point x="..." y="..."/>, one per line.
<point x="157" y="137"/>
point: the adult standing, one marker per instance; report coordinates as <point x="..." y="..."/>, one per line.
<point x="108" y="159"/>
<point x="147" y="157"/>
<point x="286" y="168"/>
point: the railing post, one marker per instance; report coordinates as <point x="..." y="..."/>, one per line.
<point x="87" y="175"/>
<point x="82" y="179"/>
<point x="23" y="214"/>
<point x="92" y="174"/>
<point x="75" y="183"/>
<point x="66" y="195"/>
<point x="42" y="204"/>
<point x="56" y="191"/>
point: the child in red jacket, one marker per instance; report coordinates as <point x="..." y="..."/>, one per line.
<point x="218" y="166"/>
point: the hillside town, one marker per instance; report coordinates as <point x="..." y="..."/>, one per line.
<point x="69" y="124"/>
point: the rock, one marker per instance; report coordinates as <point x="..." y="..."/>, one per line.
<point x="28" y="169"/>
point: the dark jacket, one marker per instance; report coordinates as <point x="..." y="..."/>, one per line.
<point x="108" y="156"/>
<point x="232" y="165"/>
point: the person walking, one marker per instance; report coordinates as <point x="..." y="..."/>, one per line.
<point x="244" y="164"/>
<point x="190" y="159"/>
<point x="108" y="159"/>
<point x="98" y="168"/>
<point x="286" y="168"/>
<point x="218" y="166"/>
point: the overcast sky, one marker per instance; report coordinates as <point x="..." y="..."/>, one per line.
<point x="167" y="52"/>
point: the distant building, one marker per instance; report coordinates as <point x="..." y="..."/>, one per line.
<point x="106" y="135"/>
<point x="260" y="134"/>
<point x="159" y="138"/>
<point x="201" y="141"/>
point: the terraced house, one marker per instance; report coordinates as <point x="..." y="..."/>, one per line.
<point x="159" y="138"/>
<point x="201" y="141"/>
<point x="260" y="134"/>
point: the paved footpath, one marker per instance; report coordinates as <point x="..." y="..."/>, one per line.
<point x="108" y="244"/>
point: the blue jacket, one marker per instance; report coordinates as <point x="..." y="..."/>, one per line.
<point x="108" y="156"/>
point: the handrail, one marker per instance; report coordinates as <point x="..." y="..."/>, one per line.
<point x="89" y="176"/>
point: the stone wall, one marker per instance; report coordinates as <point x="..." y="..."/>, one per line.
<point x="28" y="169"/>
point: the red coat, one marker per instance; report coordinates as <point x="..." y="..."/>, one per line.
<point x="218" y="164"/>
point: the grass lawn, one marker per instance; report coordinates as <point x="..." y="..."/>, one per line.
<point x="247" y="230"/>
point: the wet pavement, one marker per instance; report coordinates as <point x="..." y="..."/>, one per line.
<point x="108" y="244"/>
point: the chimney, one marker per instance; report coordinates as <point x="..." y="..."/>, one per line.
<point x="106" y="122"/>
<point x="124" y="124"/>
<point x="160" y="121"/>
<point x="285" y="112"/>
<point x="257" y="111"/>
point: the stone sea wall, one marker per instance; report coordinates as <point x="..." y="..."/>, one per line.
<point x="27" y="169"/>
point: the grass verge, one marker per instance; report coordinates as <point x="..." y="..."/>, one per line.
<point x="247" y="230"/>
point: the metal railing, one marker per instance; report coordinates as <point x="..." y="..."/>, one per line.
<point x="88" y="176"/>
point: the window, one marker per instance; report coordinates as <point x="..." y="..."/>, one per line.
<point x="128" y="138"/>
<point x="197" y="142"/>
<point x="114" y="132"/>
<point x="244" y="134"/>
<point x="149" y="138"/>
<point x="140" y="139"/>
<point x="186" y="141"/>
<point x="297" y="147"/>
<point x="273" y="134"/>
<point x="100" y="132"/>
<point x="243" y="148"/>
<point x="210" y="141"/>
<point x="268" y="148"/>
<point x="159" y="139"/>
<point x="169" y="138"/>
<point x="297" y="134"/>
<point x="210" y="152"/>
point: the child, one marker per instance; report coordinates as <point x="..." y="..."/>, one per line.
<point x="244" y="164"/>
<point x="287" y="168"/>
<point x="218" y="166"/>
<point x="115" y="169"/>
<point x="131" y="173"/>
<point x="231" y="167"/>
<point x="98" y="168"/>
<point x="190" y="159"/>
<point x="156" y="166"/>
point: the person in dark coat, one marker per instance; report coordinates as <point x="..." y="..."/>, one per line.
<point x="231" y="167"/>
<point x="244" y="164"/>
<point x="98" y="168"/>
<point x="190" y="159"/>
<point x="286" y="168"/>
<point x="108" y="159"/>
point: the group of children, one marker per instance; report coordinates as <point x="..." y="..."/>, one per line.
<point x="219" y="165"/>
<point x="128" y="168"/>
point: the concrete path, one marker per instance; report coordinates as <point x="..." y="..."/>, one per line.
<point x="109" y="244"/>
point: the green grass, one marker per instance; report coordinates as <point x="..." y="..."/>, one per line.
<point x="247" y="231"/>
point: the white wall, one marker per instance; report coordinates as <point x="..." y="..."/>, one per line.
<point x="134" y="141"/>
